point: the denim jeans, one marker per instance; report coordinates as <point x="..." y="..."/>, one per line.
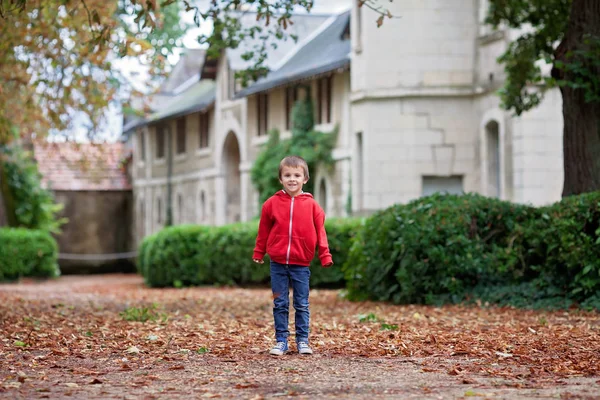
<point x="299" y="276"/>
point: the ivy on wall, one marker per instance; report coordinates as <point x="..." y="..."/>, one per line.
<point x="315" y="147"/>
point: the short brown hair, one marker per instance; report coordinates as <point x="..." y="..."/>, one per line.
<point x="294" y="162"/>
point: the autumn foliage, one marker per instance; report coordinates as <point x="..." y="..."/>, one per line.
<point x="113" y="337"/>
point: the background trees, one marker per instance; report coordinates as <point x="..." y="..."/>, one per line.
<point x="566" y="34"/>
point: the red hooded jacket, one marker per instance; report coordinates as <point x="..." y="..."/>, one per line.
<point x="290" y="228"/>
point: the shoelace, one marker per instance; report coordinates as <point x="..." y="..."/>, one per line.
<point x="280" y="345"/>
<point x="303" y="345"/>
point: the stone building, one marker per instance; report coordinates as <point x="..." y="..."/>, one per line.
<point x="414" y="103"/>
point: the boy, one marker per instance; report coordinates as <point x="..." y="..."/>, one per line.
<point x="291" y="225"/>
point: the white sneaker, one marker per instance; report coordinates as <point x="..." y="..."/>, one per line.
<point x="304" y="348"/>
<point x="279" y="349"/>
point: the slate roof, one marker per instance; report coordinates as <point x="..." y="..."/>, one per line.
<point x="198" y="97"/>
<point x="74" y="166"/>
<point x="327" y="51"/>
<point x="304" y="25"/>
<point x="189" y="66"/>
<point x="320" y="48"/>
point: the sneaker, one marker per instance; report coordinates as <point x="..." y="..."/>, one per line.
<point x="304" y="348"/>
<point x="279" y="349"/>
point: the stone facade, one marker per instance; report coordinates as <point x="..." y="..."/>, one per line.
<point x="416" y="112"/>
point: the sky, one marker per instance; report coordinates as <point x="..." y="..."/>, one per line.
<point x="136" y="75"/>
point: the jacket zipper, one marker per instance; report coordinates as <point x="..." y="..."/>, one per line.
<point x="287" y="257"/>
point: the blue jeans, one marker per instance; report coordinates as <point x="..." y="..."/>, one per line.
<point x="299" y="276"/>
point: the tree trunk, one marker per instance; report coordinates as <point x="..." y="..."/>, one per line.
<point x="581" y="138"/>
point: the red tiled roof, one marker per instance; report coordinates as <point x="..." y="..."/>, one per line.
<point x="83" y="166"/>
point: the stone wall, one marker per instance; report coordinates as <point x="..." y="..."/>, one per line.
<point x="99" y="223"/>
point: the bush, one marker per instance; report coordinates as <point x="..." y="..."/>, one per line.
<point x="569" y="245"/>
<point x="197" y="255"/>
<point x="29" y="204"/>
<point x="438" y="248"/>
<point x="340" y="232"/>
<point x="27" y="253"/>
<point x="445" y="248"/>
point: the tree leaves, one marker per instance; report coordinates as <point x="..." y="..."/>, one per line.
<point x="57" y="58"/>
<point x="547" y="22"/>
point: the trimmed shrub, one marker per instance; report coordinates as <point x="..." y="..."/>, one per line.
<point x="27" y="253"/>
<point x="437" y="248"/>
<point x="569" y="244"/>
<point x="171" y="257"/>
<point x="340" y="232"/>
<point x="197" y="255"/>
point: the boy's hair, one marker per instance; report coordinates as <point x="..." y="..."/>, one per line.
<point x="294" y="162"/>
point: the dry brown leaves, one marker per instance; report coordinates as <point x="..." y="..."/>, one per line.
<point x="71" y="333"/>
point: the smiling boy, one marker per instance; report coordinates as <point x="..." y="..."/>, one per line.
<point x="291" y="225"/>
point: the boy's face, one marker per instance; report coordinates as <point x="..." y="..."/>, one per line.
<point x="292" y="179"/>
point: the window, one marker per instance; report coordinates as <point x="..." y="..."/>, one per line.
<point x="493" y="159"/>
<point x="359" y="170"/>
<point x="324" y="100"/>
<point x="357" y="28"/>
<point x="142" y="151"/>
<point x="262" y="113"/>
<point x="203" y="130"/>
<point x="159" y="210"/>
<point x="202" y="207"/>
<point x="181" y="135"/>
<point x="291" y="95"/>
<point x="180" y="210"/>
<point x="160" y="141"/>
<point x="442" y="184"/>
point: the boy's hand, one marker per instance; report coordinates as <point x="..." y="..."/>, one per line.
<point x="256" y="260"/>
<point x="329" y="264"/>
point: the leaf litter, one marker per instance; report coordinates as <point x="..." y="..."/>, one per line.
<point x="109" y="336"/>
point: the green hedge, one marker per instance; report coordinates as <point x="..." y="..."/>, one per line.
<point x="447" y="248"/>
<point x="27" y="253"/>
<point x="197" y="255"/>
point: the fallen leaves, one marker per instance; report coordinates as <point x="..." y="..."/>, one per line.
<point x="81" y="330"/>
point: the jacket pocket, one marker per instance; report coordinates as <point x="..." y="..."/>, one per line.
<point x="277" y="245"/>
<point x="301" y="250"/>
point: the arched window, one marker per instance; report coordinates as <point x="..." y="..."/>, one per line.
<point x="492" y="133"/>
<point x="323" y="195"/>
